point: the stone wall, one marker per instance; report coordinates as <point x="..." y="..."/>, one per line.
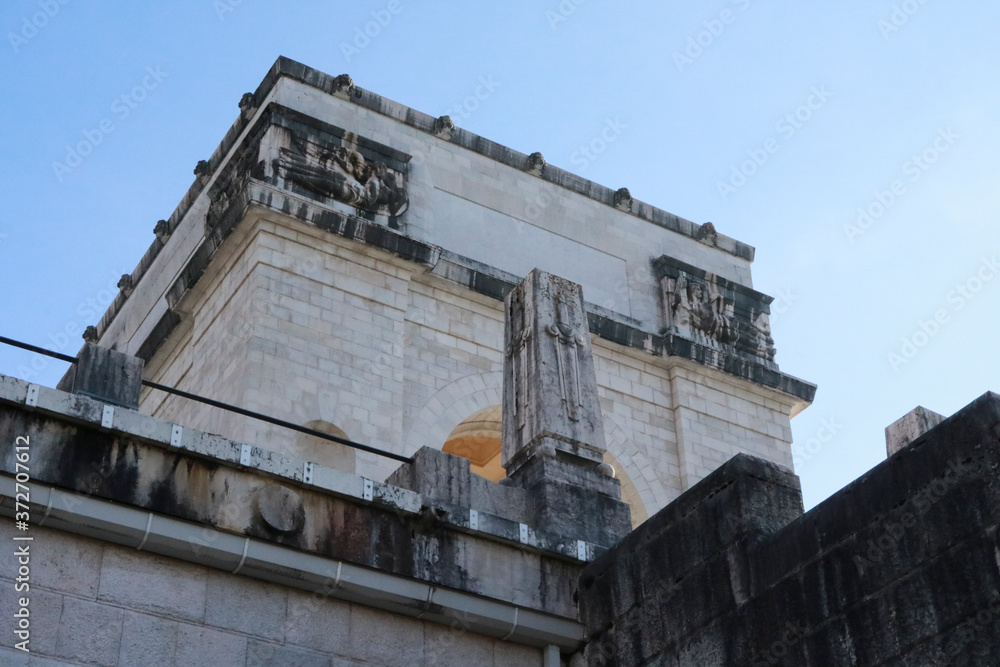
<point x="901" y="567"/>
<point x="303" y="325"/>
<point x="98" y="603"/>
<point x="276" y="287"/>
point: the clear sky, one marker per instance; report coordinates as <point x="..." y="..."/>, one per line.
<point x="853" y="144"/>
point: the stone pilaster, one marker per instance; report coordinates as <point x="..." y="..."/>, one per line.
<point x="553" y="434"/>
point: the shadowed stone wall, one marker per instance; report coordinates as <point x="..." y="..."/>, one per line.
<point x="901" y="567"/>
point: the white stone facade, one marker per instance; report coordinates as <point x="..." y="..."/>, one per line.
<point x="307" y="325"/>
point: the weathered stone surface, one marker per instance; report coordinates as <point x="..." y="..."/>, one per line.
<point x="388" y="533"/>
<point x="898" y="568"/>
<point x="153" y="584"/>
<point x="45" y="608"/>
<point x="264" y="654"/>
<point x="279" y="508"/>
<point x="447" y="479"/>
<point x="14" y="657"/>
<point x="317" y="621"/>
<point x="550" y="388"/>
<point x="909" y="427"/>
<point x="350" y="172"/>
<point x="199" y="646"/>
<point x="147" y="641"/>
<point x="453" y="646"/>
<point x="106" y="375"/>
<point x="369" y="640"/>
<point x="61" y="562"/>
<point x="714" y="312"/>
<point x="245" y="605"/>
<point x="90" y="632"/>
<point x="553" y="432"/>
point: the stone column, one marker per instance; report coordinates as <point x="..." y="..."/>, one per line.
<point x="553" y="434"/>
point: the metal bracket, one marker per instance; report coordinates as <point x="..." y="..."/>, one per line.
<point x="108" y="417"/>
<point x="307" y="472"/>
<point x="524" y="533"/>
<point x="245" y="455"/>
<point x="31" y="400"/>
<point x="176" y="435"/>
<point x="369" y="490"/>
<point x="473" y="519"/>
<point x="581" y="550"/>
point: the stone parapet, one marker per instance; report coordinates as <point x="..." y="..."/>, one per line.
<point x="899" y="567"/>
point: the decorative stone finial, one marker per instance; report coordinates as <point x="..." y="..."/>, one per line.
<point x="536" y="164"/>
<point x="343" y="84"/>
<point x="707" y="234"/>
<point x="90" y="334"/>
<point x="162" y="230"/>
<point x="202" y="168"/>
<point x="444" y="127"/>
<point x="126" y="285"/>
<point x="623" y="199"/>
<point x="248" y="104"/>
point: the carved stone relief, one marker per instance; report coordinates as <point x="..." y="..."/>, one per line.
<point x="714" y="312"/>
<point x="343" y="174"/>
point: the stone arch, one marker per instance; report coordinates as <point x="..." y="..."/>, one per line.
<point x="452" y="404"/>
<point x="325" y="452"/>
<point x="630" y="494"/>
<point x="631" y="464"/>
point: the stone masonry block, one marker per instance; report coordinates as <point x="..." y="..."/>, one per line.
<point x="90" y="632"/>
<point x="199" y="646"/>
<point x="909" y="427"/>
<point x="105" y="375"/>
<point x="45" y="610"/>
<point x="153" y="584"/>
<point x="147" y="641"/>
<point x="264" y="654"/>
<point x="317" y="622"/>
<point x="67" y="563"/>
<point x="245" y="605"/>
<point x="384" y="639"/>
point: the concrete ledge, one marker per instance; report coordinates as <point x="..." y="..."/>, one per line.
<point x="137" y="460"/>
<point x="155" y="533"/>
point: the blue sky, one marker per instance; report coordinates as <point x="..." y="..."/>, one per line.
<point x="782" y="123"/>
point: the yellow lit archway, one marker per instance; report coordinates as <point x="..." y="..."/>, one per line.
<point x="477" y="438"/>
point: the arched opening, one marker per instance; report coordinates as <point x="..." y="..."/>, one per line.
<point x="477" y="438"/>
<point x="325" y="452"/>
<point x="630" y="494"/>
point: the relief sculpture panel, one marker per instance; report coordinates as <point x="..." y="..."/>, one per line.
<point x="714" y="312"/>
<point x="343" y="174"/>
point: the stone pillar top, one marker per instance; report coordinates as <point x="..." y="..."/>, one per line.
<point x="550" y="387"/>
<point x="909" y="427"/>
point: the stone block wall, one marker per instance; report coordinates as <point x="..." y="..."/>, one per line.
<point x="97" y="603"/>
<point x="304" y="325"/>
<point x="898" y="568"/>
